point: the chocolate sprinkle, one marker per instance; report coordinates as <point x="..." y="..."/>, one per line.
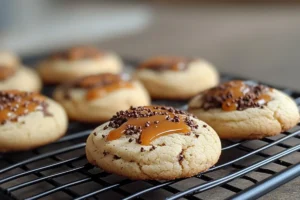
<point x="138" y="112"/>
<point x="15" y="104"/>
<point x="215" y="97"/>
<point x="152" y="148"/>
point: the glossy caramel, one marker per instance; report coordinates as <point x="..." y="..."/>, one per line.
<point x="77" y="53"/>
<point x="99" y="85"/>
<point x="18" y="104"/>
<point x="154" y="130"/>
<point x="165" y="63"/>
<point x="99" y="92"/>
<point x="236" y="89"/>
<point x="6" y="72"/>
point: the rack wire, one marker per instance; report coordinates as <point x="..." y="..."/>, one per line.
<point x="246" y="170"/>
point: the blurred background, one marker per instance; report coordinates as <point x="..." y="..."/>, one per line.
<point x="254" y="39"/>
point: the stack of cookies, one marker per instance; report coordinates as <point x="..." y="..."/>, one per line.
<point x="136" y="139"/>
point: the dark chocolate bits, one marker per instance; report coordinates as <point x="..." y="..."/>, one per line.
<point x="14" y="104"/>
<point x="225" y="96"/>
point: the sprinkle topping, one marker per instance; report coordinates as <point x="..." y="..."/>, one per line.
<point x="165" y="63"/>
<point x="147" y="123"/>
<point x="14" y="104"/>
<point x="236" y="95"/>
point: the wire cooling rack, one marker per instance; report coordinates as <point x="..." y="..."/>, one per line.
<point x="246" y="170"/>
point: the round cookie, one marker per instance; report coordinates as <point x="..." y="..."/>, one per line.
<point x="176" y="78"/>
<point x="29" y="120"/>
<point x="244" y="110"/>
<point x="97" y="98"/>
<point x="78" y="62"/>
<point x="14" y="76"/>
<point x="9" y="60"/>
<point x="23" y="78"/>
<point x="154" y="143"/>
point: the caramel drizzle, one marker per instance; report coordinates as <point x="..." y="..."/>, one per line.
<point x="100" y="85"/>
<point x="78" y="53"/>
<point x="232" y="93"/>
<point x="6" y="72"/>
<point x="14" y="104"/>
<point x="165" y="63"/>
<point x="102" y="91"/>
<point x="153" y="127"/>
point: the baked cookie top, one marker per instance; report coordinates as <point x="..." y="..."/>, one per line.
<point x="97" y="86"/>
<point x="15" y="104"/>
<point x="153" y="142"/>
<point x="9" y="64"/>
<point x="6" y="72"/>
<point x="78" y="53"/>
<point x="146" y="123"/>
<point x="235" y="95"/>
<point x="164" y="63"/>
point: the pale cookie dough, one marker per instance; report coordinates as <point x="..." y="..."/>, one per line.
<point x="109" y="94"/>
<point x="9" y="59"/>
<point x="24" y="79"/>
<point x="176" y="78"/>
<point x="172" y="156"/>
<point x="15" y="76"/>
<point x="248" y="121"/>
<point x="78" y="62"/>
<point x="29" y="120"/>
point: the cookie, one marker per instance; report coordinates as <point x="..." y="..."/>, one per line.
<point x="29" y="120"/>
<point x="176" y="78"/>
<point x="97" y="98"/>
<point x="78" y="62"/>
<point x="8" y="60"/>
<point x="24" y="79"/>
<point x="153" y="143"/>
<point x="15" y="76"/>
<point x="244" y="110"/>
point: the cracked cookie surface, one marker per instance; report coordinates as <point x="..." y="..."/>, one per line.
<point x="184" y="150"/>
<point x="258" y="112"/>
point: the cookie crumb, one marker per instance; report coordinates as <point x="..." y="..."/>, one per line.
<point x="142" y="149"/>
<point x="95" y="134"/>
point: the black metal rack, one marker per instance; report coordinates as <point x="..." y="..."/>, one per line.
<point x="246" y="170"/>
